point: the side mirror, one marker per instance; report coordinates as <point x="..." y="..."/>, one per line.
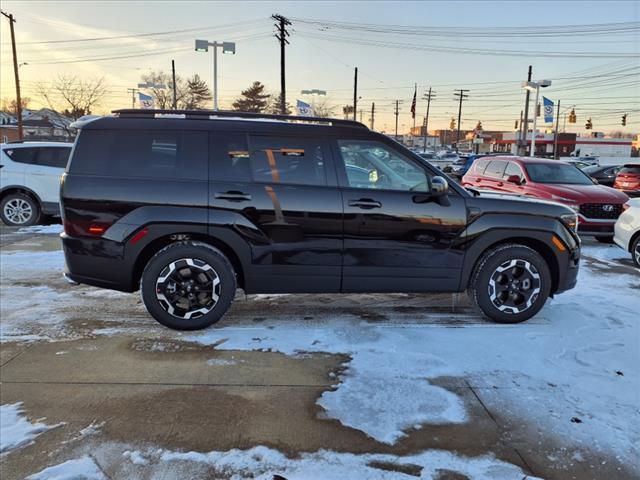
<point x="514" y="179"/>
<point x="439" y="186"/>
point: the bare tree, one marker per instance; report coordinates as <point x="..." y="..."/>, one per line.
<point x="72" y="95"/>
<point x="11" y="106"/>
<point x="163" y="92"/>
<point x="323" y="109"/>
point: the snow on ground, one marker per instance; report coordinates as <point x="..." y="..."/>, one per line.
<point x="15" y="430"/>
<point x="589" y="352"/>
<point x="43" y="229"/>
<point x="83" y="468"/>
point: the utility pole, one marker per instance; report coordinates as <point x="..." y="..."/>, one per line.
<point x="133" y="96"/>
<point x="397" y="111"/>
<point x="373" y="114"/>
<point x="282" y="35"/>
<point x="428" y="96"/>
<point x="461" y="96"/>
<point x="15" y="72"/>
<point x="355" y="92"/>
<point x="555" y="136"/>
<point x="173" y="73"/>
<point x="525" y="121"/>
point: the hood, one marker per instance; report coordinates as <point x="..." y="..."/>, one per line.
<point x="586" y="193"/>
<point x="494" y="202"/>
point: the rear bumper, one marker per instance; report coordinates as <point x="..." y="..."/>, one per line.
<point x="86" y="257"/>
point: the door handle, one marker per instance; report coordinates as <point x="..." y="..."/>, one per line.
<point x="477" y="180"/>
<point x="233" y="196"/>
<point x="365" y="203"/>
<point x="500" y="184"/>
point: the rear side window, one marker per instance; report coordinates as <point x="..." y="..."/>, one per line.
<point x="635" y="170"/>
<point x="231" y="158"/>
<point x="22" y="155"/>
<point x="53" y="156"/>
<point x="495" y="168"/>
<point x="169" y="154"/>
<point x="292" y="160"/>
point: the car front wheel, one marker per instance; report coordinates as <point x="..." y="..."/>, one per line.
<point x="510" y="283"/>
<point x="19" y="210"/>
<point x="188" y="285"/>
<point x="635" y="252"/>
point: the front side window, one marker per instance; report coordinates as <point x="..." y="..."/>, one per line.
<point x="495" y="169"/>
<point x="374" y="165"/>
<point x="231" y="158"/>
<point x="288" y="160"/>
<point x="557" y="173"/>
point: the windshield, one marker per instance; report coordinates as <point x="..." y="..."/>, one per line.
<point x="560" y="173"/>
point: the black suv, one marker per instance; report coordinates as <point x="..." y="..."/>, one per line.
<point x="190" y="205"/>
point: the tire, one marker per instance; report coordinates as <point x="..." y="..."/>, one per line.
<point x="635" y="252"/>
<point x="492" y="280"/>
<point x="188" y="268"/>
<point x="608" y="239"/>
<point x="19" y="210"/>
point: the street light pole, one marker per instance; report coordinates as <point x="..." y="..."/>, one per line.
<point x="227" y="47"/>
<point x="532" y="152"/>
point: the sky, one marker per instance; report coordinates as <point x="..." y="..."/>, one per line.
<point x="390" y="55"/>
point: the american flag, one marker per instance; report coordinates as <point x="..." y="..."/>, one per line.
<point x="413" y="103"/>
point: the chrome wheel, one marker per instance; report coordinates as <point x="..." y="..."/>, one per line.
<point x="18" y="211"/>
<point x="636" y="253"/>
<point x="514" y="286"/>
<point x="188" y="288"/>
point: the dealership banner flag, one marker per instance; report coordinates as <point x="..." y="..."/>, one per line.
<point x="548" y="110"/>
<point x="304" y="109"/>
<point x="146" y="101"/>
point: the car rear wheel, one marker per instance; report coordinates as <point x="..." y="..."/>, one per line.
<point x="188" y="285"/>
<point x="635" y="252"/>
<point x="19" y="210"/>
<point x="510" y="283"/>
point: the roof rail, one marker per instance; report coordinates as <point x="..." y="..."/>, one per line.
<point x="231" y="115"/>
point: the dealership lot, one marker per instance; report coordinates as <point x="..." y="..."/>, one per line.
<point x="317" y="386"/>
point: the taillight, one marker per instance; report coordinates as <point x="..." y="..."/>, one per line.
<point x="83" y="228"/>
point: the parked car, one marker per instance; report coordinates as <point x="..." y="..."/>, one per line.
<point x="597" y="206"/>
<point x="627" y="230"/>
<point x="427" y="155"/>
<point x="460" y="167"/>
<point x="187" y="209"/>
<point x="604" y="174"/>
<point x="579" y="163"/>
<point x="30" y="180"/>
<point x="628" y="180"/>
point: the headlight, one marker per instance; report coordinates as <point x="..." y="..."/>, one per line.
<point x="570" y="220"/>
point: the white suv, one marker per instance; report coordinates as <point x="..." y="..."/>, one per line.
<point x="627" y="230"/>
<point x="30" y="180"/>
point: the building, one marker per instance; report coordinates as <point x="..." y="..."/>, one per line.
<point x="44" y="125"/>
<point x="569" y="144"/>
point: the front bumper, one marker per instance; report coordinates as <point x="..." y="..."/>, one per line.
<point x="595" y="227"/>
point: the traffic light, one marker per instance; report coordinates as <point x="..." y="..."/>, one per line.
<point x="588" y="125"/>
<point x="624" y="120"/>
<point x="452" y="124"/>
<point x="572" y="116"/>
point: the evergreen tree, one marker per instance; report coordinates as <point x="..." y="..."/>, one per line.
<point x="253" y="99"/>
<point x="197" y="95"/>
<point x="274" y="106"/>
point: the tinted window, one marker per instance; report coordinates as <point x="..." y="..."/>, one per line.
<point x="53" y="156"/>
<point x="635" y="170"/>
<point x="371" y="164"/>
<point x="231" y="158"/>
<point x="22" y="155"/>
<point x="292" y="160"/>
<point x="557" y="173"/>
<point x="495" y="168"/>
<point x="142" y="154"/>
<point x="512" y="169"/>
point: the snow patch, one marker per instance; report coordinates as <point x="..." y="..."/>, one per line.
<point x="45" y="229"/>
<point x="84" y="468"/>
<point x="15" y="430"/>
<point x="221" y="362"/>
<point x="135" y="457"/>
